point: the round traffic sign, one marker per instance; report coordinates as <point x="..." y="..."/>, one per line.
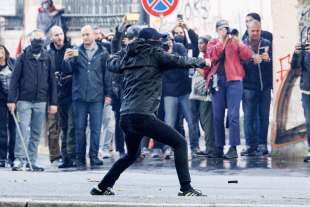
<point x="159" y="7"/>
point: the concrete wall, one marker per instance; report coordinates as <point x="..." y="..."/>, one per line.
<point x="285" y="31"/>
<point x="201" y="15"/>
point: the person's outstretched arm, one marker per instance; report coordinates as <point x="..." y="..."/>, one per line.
<point x="168" y="61"/>
<point x="114" y="63"/>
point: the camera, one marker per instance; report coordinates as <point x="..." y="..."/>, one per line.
<point x="304" y="45"/>
<point x="180" y="17"/>
<point x="164" y="42"/>
<point x="233" y="32"/>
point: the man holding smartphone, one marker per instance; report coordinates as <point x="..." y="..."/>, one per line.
<point x="91" y="89"/>
<point x="257" y="86"/>
<point x="301" y="61"/>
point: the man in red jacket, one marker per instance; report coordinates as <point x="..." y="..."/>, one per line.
<point x="226" y="53"/>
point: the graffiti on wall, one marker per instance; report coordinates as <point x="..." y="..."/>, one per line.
<point x="282" y="135"/>
<point x="286" y="80"/>
<point x="285" y="62"/>
<point x="194" y="9"/>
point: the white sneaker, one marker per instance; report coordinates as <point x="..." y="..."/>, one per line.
<point x="168" y="154"/>
<point x="106" y="154"/>
<point x="307" y="158"/>
<point x="18" y="165"/>
<point x="56" y="163"/>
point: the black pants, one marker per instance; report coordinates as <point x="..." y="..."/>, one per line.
<point x="67" y="131"/>
<point x="135" y="127"/>
<point x="7" y="134"/>
<point x="119" y="134"/>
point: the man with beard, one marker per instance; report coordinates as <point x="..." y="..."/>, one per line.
<point x="63" y="121"/>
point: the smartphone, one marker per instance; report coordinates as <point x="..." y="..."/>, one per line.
<point x="180" y="17"/>
<point x="262" y="50"/>
<point x="75" y="52"/>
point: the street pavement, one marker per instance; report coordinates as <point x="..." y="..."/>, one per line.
<point x="261" y="181"/>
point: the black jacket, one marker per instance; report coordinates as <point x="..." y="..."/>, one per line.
<point x="142" y="64"/>
<point x="302" y="61"/>
<point x="91" y="80"/>
<point x="258" y="78"/>
<point x="33" y="79"/>
<point x="176" y="81"/>
<point x="117" y="79"/>
<point x="4" y="93"/>
<point x="106" y="45"/>
<point x="64" y="81"/>
<point x="193" y="36"/>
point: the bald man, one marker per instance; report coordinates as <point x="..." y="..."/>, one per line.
<point x="63" y="120"/>
<point x="90" y="91"/>
<point x="32" y="88"/>
<point x="257" y="86"/>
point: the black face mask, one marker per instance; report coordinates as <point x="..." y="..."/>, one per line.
<point x="37" y="45"/>
<point x="179" y="39"/>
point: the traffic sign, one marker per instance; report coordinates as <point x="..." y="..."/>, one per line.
<point x="159" y="7"/>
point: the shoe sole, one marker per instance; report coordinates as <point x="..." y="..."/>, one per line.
<point x="17" y="169"/>
<point x="182" y="195"/>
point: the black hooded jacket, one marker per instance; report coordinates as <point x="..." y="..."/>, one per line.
<point x="142" y="63"/>
<point x="302" y="61"/>
<point x="64" y="81"/>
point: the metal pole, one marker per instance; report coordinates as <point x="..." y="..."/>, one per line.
<point x="144" y="18"/>
<point x="22" y="139"/>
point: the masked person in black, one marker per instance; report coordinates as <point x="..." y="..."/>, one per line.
<point x="142" y="63"/>
<point x="123" y="35"/>
<point x="32" y="88"/>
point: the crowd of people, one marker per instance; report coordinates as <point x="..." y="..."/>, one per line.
<point x="84" y="93"/>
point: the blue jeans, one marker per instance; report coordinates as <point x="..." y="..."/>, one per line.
<point x="252" y="101"/>
<point x="228" y="96"/>
<point x="306" y="106"/>
<point x="171" y="111"/>
<point x="108" y="127"/>
<point x="31" y="117"/>
<point x="81" y="110"/>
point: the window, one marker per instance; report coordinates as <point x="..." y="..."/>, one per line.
<point x="12" y="12"/>
<point x="104" y="13"/>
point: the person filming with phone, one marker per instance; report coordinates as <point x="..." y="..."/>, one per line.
<point x="91" y="90"/>
<point x="301" y="62"/>
<point x="257" y="86"/>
